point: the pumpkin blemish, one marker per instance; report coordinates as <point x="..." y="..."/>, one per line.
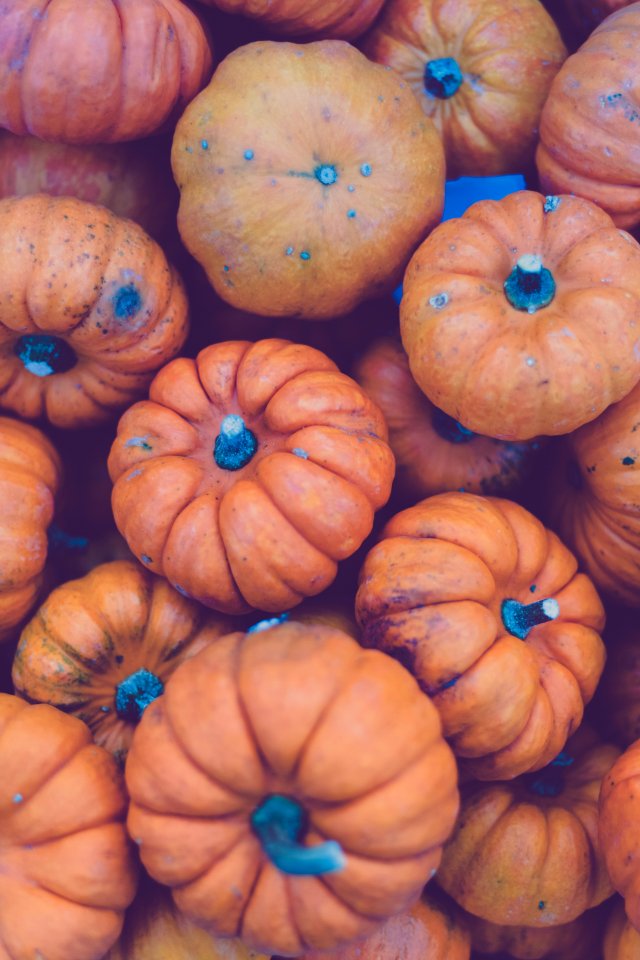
<point x="551" y="204"/>
<point x="18" y="798"/>
<point x="365" y="169"/>
<point x="305" y="255"/>
<point x="628" y="461"/>
<point x="126" y="302"/>
<point x="439" y="301"/>
<point x="248" y="154"/>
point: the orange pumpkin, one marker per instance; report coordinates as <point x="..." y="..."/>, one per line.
<point x="578" y="940"/>
<point x="67" y="869"/>
<point x="621" y="939"/>
<point x="249" y="473"/>
<point x="590" y="124"/>
<point x="486" y="608"/>
<point x="89" y="309"/>
<point x="294" y="18"/>
<point x="289" y="198"/>
<point x="99" y="72"/>
<point x="30" y="476"/>
<point x="291" y="788"/>
<point x="481" y="70"/>
<point x="618" y="828"/>
<point x="520" y="318"/>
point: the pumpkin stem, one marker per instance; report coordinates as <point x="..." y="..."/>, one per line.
<point x="235" y="444"/>
<point x="530" y="286"/>
<point x="520" y="618"/>
<point x="134" y="694"/>
<point x="43" y="355"/>
<point x="450" y="429"/>
<point x="279" y="822"/>
<point x="442" y="77"/>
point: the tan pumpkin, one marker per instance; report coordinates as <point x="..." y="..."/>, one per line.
<point x="578" y="940"/>
<point x="618" y="828"/>
<point x="621" y="939"/>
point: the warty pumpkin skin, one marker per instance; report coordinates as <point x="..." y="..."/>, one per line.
<point x="303" y="204"/>
<point x="481" y="70"/>
<point x="30" y="477"/>
<point x="89" y="310"/>
<point x="621" y="939"/>
<point x="486" y="608"/>
<point x="291" y="788"/>
<point x="99" y="72"/>
<point x="342" y="19"/>
<point x="520" y="318"/>
<point x="249" y="473"/>
<point x="618" y="828"/>
<point x="578" y="940"/>
<point x="67" y="869"/>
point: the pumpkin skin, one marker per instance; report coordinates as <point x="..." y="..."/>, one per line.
<point x="481" y="72"/>
<point x="68" y="870"/>
<point x="621" y="939"/>
<point x="505" y="369"/>
<point x="589" y="130"/>
<point x="433" y="452"/>
<point x="340" y="19"/>
<point x="290" y="202"/>
<point x="100" y="72"/>
<point x="30" y="477"/>
<point x="300" y="717"/>
<point x="540" y="830"/>
<point x="578" y="940"/>
<point x="89" y="309"/>
<point x="450" y="590"/>
<point x="618" y="828"/>
<point x="266" y="530"/>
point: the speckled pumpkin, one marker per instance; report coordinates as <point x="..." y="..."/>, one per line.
<point x="481" y="69"/>
<point x="344" y="19"/>
<point x="89" y="310"/>
<point x="30" y="476"/>
<point x="249" y="473"/>
<point x="578" y="940"/>
<point x="291" y="788"/>
<point x="486" y="608"/>
<point x="307" y="176"/>
<point x="621" y="939"/>
<point x="520" y="319"/>
<point x="98" y="72"/>
<point x="618" y="828"/>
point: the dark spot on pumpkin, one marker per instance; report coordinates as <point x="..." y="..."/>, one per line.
<point x="119" y="658"/>
<point x="533" y="588"/>
<point x="204" y="144"/>
<point x="146" y="558"/>
<point x="126" y="302"/>
<point x="628" y="461"/>
<point x="541" y="905"/>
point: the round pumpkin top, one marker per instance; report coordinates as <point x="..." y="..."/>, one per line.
<point x="295" y="18"/>
<point x="307" y="176"/>
<point x="618" y="828"/>
<point x="521" y="317"/>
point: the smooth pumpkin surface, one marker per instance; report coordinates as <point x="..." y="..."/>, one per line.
<point x="578" y="940"/>
<point x="487" y="609"/>
<point x="481" y="70"/>
<point x="300" y="203"/>
<point x="291" y="788"/>
<point x="618" y="828"/>
<point x="249" y="473"/>
<point x="621" y="939"/>
<point x="520" y="317"/>
<point x="344" y="19"/>
<point x="89" y="310"/>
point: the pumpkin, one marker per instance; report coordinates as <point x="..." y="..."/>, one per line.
<point x="89" y="309"/>
<point x="289" y="197"/>
<point x="249" y="473"/>
<point x="99" y="72"/>
<point x="578" y="940"/>
<point x="486" y="608"/>
<point x="103" y="647"/>
<point x="618" y="828"/>
<point x="291" y="788"/>
<point x="526" y="852"/>
<point x="344" y="19"/>
<point x="67" y="869"/>
<point x="621" y="939"/>
<point x="590" y="124"/>
<point x="30" y="476"/>
<point x="481" y="71"/>
<point x="520" y="318"/>
<point x="434" y="452"/>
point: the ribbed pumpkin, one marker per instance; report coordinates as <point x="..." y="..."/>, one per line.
<point x="99" y="72"/>
<point x="249" y="473"/>
<point x="590" y="124"/>
<point x="526" y="853"/>
<point x="300" y="203"/>
<point x="486" y="608"/>
<point x="520" y="318"/>
<point x="30" y="476"/>
<point x="578" y="940"/>
<point x="344" y="19"/>
<point x="621" y="939"/>
<point x="292" y="789"/>
<point x="481" y="70"/>
<point x="618" y="828"/>
<point x="66" y="865"/>
<point x="89" y="310"/>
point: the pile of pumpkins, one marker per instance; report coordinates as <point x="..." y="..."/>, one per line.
<point x="319" y="507"/>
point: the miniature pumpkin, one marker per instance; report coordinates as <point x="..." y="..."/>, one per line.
<point x="289" y="198"/>
<point x="486" y="608"/>
<point x="577" y="940"/>
<point x="291" y="788"/>
<point x="249" y="473"/>
<point x="67" y="869"/>
<point x="30" y="475"/>
<point x="434" y="452"/>
<point x="590" y="124"/>
<point x="520" y="318"/>
<point x="89" y="309"/>
<point x="541" y="832"/>
<point x="344" y="19"/>
<point x="621" y="939"/>
<point x="99" y="72"/>
<point x="481" y="70"/>
<point x="618" y="828"/>
<point x="102" y="648"/>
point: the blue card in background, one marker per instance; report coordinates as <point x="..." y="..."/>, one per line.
<point x="460" y="194"/>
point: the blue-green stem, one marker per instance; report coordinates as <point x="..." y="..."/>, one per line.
<point x="280" y="824"/>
